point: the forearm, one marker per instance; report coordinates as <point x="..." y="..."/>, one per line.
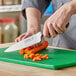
<point x="33" y="19"/>
<point x="73" y="6"/>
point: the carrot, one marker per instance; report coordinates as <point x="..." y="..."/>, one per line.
<point x="36" y="59"/>
<point x="27" y="50"/>
<point x="37" y="55"/>
<point x="36" y="49"/>
<point x="41" y="55"/>
<point x="32" y="56"/>
<point x="26" y="56"/>
<point x="46" y="57"/>
<point x="22" y="51"/>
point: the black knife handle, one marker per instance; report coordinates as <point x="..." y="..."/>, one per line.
<point x="67" y="25"/>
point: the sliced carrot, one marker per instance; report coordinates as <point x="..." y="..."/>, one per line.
<point x="41" y="55"/>
<point x="36" y="59"/>
<point x="22" y="51"/>
<point x="24" y="48"/>
<point x="27" y="50"/>
<point x="46" y="57"/>
<point x="37" y="55"/>
<point x="36" y="49"/>
<point x="29" y="53"/>
<point x="32" y="56"/>
<point x="26" y="56"/>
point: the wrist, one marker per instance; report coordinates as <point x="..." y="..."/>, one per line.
<point x="72" y="6"/>
<point x="33" y="20"/>
<point x="33" y="27"/>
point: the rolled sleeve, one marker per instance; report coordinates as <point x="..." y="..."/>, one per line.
<point x="41" y="5"/>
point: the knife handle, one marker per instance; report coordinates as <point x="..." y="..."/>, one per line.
<point x="67" y="25"/>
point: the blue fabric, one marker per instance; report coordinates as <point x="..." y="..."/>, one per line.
<point x="49" y="10"/>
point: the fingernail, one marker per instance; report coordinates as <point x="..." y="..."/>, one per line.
<point x="17" y="40"/>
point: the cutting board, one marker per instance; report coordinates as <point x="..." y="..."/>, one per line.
<point x="58" y="58"/>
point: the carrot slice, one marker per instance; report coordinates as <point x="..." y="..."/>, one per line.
<point x="46" y="57"/>
<point x="22" y="51"/>
<point x="36" y="49"/>
<point x="32" y="56"/>
<point x="27" y="50"/>
<point x="37" y="55"/>
<point x="36" y="59"/>
<point x="26" y="56"/>
<point x="29" y="53"/>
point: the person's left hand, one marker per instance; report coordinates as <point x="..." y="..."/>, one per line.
<point x="56" y="24"/>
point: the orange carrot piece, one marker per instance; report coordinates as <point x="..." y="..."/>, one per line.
<point x="36" y="59"/>
<point x="26" y="56"/>
<point x="27" y="50"/>
<point x="22" y="51"/>
<point x="36" y="49"/>
<point x="46" y="57"/>
<point x="32" y="56"/>
<point x="37" y="55"/>
<point x="24" y="48"/>
<point x="41" y="55"/>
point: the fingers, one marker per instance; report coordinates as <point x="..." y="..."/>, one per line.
<point x="23" y="36"/>
<point x="46" y="31"/>
<point x="20" y="37"/>
<point x="62" y="27"/>
<point x="52" y="31"/>
<point x="59" y="30"/>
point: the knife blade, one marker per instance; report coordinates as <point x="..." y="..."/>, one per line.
<point x="32" y="40"/>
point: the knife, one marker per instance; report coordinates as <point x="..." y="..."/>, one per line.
<point x="32" y="40"/>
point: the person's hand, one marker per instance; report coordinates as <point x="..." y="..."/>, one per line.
<point x="26" y="35"/>
<point x="56" y="24"/>
<point x="33" y="25"/>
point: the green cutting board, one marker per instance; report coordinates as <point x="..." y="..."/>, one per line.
<point x="58" y="58"/>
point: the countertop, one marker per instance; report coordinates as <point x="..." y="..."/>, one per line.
<point x="11" y="69"/>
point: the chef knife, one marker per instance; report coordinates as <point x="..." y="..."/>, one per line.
<point x="32" y="40"/>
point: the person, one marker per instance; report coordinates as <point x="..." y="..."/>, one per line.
<point x="55" y="26"/>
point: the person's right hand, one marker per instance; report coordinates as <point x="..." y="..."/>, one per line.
<point x="57" y="23"/>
